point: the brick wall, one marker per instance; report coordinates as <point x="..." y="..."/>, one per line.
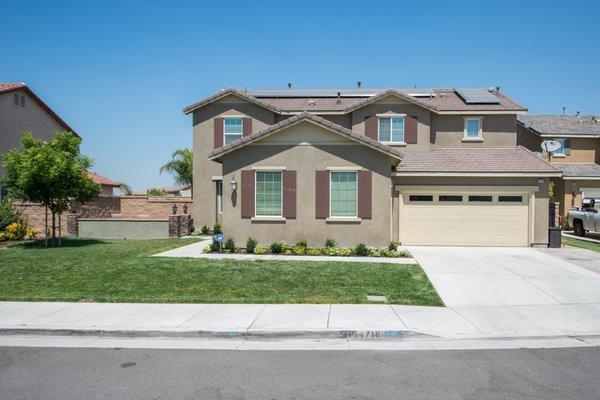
<point x="35" y="214"/>
<point x="152" y="207"/>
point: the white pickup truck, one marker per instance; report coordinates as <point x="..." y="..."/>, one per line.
<point x="586" y="219"/>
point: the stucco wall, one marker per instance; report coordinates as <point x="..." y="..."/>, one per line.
<point x="16" y="120"/>
<point x="123" y="229"/>
<point x="205" y="210"/>
<point x="541" y="196"/>
<point x="497" y="131"/>
<point x="307" y="148"/>
<point x="583" y="151"/>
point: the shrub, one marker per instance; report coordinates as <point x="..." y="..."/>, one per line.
<point x="229" y="245"/>
<point x="214" y="245"/>
<point x="8" y="214"/>
<point x="299" y="250"/>
<point x="389" y="253"/>
<point x="361" y="250"/>
<point x="302" y="243"/>
<point x="31" y="233"/>
<point x="393" y="246"/>
<point x="330" y="251"/>
<point x="261" y="250"/>
<point x="277" y="247"/>
<point x="250" y="245"/>
<point x="329" y="242"/>
<point x="16" y="231"/>
<point x="378" y="253"/>
<point x="288" y="252"/>
<point x="153" y="192"/>
<point x="344" y="252"/>
<point x="404" y="254"/>
<point x="205" y="230"/>
<point x="207" y="249"/>
<point x="314" y="251"/>
<point x="217" y="228"/>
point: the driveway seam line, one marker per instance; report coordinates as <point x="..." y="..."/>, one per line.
<point x="397" y="315"/>
<point x="193" y="316"/>
<point x="328" y="315"/>
<point x="258" y="315"/>
<point x="466" y="319"/>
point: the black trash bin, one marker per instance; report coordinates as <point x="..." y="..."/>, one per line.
<point x="554" y="238"/>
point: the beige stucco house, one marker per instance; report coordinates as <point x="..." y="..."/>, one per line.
<point x="578" y="158"/>
<point x="417" y="166"/>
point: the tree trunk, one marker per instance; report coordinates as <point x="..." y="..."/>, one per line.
<point x="46" y="227"/>
<point x="53" y="228"/>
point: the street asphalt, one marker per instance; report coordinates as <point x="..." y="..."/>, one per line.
<point x="57" y="373"/>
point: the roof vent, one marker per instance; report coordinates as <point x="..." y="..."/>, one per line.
<point x="312" y="102"/>
<point x="289" y="85"/>
<point x="595" y="120"/>
<point x="358" y="84"/>
<point x="339" y="100"/>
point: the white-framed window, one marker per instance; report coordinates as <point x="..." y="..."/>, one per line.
<point x="560" y="151"/>
<point x="219" y="191"/>
<point x="391" y="129"/>
<point x="343" y="193"/>
<point x="472" y="128"/>
<point x="233" y="127"/>
<point x="268" y="194"/>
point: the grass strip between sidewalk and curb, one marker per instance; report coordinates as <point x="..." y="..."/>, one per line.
<point x="124" y="271"/>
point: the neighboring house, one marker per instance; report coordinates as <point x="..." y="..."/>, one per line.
<point x="22" y="111"/>
<point x="106" y="185"/>
<point x="418" y="166"/>
<point x="578" y="157"/>
<point x="179" y="190"/>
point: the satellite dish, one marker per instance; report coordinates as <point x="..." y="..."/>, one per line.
<point x="550" y="146"/>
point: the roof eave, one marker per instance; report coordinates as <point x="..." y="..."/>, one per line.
<point x="515" y="174"/>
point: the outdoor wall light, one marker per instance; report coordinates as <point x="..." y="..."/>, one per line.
<point x="185" y="208"/>
<point x="174" y="209"/>
<point x="233" y="183"/>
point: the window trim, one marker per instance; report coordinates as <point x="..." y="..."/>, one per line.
<point x="391" y="117"/>
<point x="562" y="147"/>
<point x="479" y="137"/>
<point x="267" y="217"/>
<point x="343" y="217"/>
<point x="241" y="134"/>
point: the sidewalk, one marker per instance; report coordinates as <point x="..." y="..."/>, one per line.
<point x="297" y="321"/>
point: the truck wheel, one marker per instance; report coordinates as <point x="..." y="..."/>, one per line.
<point x="578" y="228"/>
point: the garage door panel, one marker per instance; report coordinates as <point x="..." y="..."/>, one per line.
<point x="469" y="224"/>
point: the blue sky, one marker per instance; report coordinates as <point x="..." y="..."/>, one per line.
<point x="120" y="72"/>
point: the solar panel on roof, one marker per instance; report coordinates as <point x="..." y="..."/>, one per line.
<point x="478" y="96"/>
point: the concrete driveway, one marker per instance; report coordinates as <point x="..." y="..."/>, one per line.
<point x="494" y="276"/>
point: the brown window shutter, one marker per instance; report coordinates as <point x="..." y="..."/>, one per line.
<point x="247" y="127"/>
<point x="410" y="129"/>
<point x="289" y="194"/>
<point x="365" y="194"/>
<point x="218" y="140"/>
<point x="247" y="193"/>
<point x="321" y="194"/>
<point x="372" y="128"/>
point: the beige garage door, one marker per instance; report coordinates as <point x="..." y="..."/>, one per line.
<point x="465" y="219"/>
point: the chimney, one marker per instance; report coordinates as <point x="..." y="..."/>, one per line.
<point x="289" y="85"/>
<point x="339" y="100"/>
<point x="358" y="84"/>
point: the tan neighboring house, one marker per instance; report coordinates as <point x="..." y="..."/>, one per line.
<point x="578" y="158"/>
<point x="107" y="186"/>
<point x="418" y="166"/>
<point x="22" y="111"/>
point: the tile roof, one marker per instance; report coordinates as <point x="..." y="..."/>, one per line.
<point x="562" y="124"/>
<point x="374" y="144"/>
<point x="474" y="160"/>
<point x="580" y="170"/>
<point x="326" y="100"/>
<point x="9" y="87"/>
<point x="100" y="180"/>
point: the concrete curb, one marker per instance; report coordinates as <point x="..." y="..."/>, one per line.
<point x="241" y="335"/>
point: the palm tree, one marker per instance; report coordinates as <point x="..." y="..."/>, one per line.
<point x="124" y="188"/>
<point x="180" y="166"/>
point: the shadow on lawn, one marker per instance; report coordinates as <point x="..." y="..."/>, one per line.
<point x="65" y="242"/>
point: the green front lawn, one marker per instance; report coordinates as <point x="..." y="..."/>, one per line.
<point x="123" y="271"/>
<point x="581" y="243"/>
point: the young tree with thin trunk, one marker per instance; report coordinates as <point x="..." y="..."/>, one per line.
<point x="51" y="173"/>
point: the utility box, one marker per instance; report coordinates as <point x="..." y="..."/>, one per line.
<point x="554" y="238"/>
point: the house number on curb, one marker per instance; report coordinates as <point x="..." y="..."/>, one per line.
<point x="375" y="335"/>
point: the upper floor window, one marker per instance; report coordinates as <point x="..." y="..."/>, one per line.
<point x="472" y="129"/>
<point x="269" y="194"/>
<point x="391" y="129"/>
<point x="343" y="188"/>
<point x="16" y="99"/>
<point x="232" y="129"/>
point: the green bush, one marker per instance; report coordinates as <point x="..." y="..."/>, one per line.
<point x="299" y="250"/>
<point x="229" y="245"/>
<point x="217" y="228"/>
<point x="330" y="251"/>
<point x="378" y="253"/>
<point x="314" y="251"/>
<point x="205" y="230"/>
<point x="214" y="245"/>
<point x="251" y="245"/>
<point x="361" y="250"/>
<point x="389" y="253"/>
<point x="207" y="249"/>
<point x="393" y="246"/>
<point x="8" y="214"/>
<point x="344" y="252"/>
<point x="302" y="243"/>
<point x="404" y="254"/>
<point x="261" y="250"/>
<point x="277" y="247"/>
<point x="329" y="242"/>
<point x="153" y="192"/>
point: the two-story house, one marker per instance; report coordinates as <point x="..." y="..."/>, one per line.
<point x="418" y="166"/>
<point x="578" y="157"/>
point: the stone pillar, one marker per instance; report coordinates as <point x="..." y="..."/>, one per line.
<point x="174" y="226"/>
<point x="186" y="225"/>
<point x="72" y="224"/>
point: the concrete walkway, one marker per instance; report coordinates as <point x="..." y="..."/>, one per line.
<point x="194" y="250"/>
